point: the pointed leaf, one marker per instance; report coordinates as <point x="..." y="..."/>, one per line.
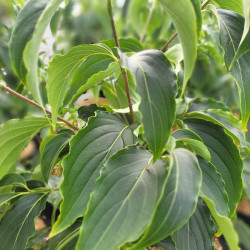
<point x="15" y="134"/>
<point x="225" y="226"/>
<point x="182" y="12"/>
<point x="198" y="233"/>
<point x="123" y="201"/>
<point x="224" y="156"/>
<point x="213" y="187"/>
<point x="50" y="149"/>
<point x="156" y="84"/>
<point x="231" y="30"/>
<point x="18" y="223"/>
<point x="62" y="69"/>
<point x="234" y="5"/>
<point x="25" y="41"/>
<point x="89" y="149"/>
<point x="193" y="140"/>
<point x="181" y="187"/>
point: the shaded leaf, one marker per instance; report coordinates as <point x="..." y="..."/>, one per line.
<point x="224" y="156"/>
<point x="13" y="180"/>
<point x="18" y="223"/>
<point x="50" y="150"/>
<point x="25" y="41"/>
<point x="15" y="134"/>
<point x="198" y="232"/>
<point x="125" y="196"/>
<point x="166" y="244"/>
<point x="156" y="84"/>
<point x="89" y="149"/>
<point x="85" y="112"/>
<point x="243" y="231"/>
<point x="182" y="186"/>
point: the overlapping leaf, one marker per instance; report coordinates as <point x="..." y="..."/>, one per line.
<point x="224" y="156"/>
<point x="62" y="69"/>
<point x="156" y="84"/>
<point x="182" y="186"/>
<point x="123" y="201"/>
<point x="18" y="224"/>
<point x="234" y="5"/>
<point x="15" y="134"/>
<point x="25" y="41"/>
<point x="89" y="149"/>
<point x="182" y="12"/>
<point x="198" y="232"/>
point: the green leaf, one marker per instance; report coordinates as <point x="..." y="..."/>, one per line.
<point x="224" y="156"/>
<point x="231" y="30"/>
<point x="62" y="69"/>
<point x="12" y="180"/>
<point x="126" y="44"/>
<point x="18" y="223"/>
<point x="234" y="5"/>
<point x="225" y="226"/>
<point x="182" y="12"/>
<point x="85" y="112"/>
<point x="198" y="232"/>
<point x="243" y="231"/>
<point x="25" y="41"/>
<point x="156" y="84"/>
<point x="97" y="78"/>
<point x="244" y="45"/>
<point x="178" y="198"/>
<point x="4" y="198"/>
<point x="166" y="244"/>
<point x="175" y="54"/>
<point x="193" y="140"/>
<point x="125" y="196"/>
<point x="90" y="68"/>
<point x="89" y="149"/>
<point x="197" y="9"/>
<point x="213" y="187"/>
<point x="50" y="149"/>
<point x="15" y="134"/>
<point x="224" y="119"/>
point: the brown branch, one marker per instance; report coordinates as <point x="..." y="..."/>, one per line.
<point x="124" y="74"/>
<point x="14" y="93"/>
<point x="164" y="48"/>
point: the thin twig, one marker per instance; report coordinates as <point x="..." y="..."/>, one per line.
<point x="164" y="48"/>
<point x="124" y="74"/>
<point x="14" y="93"/>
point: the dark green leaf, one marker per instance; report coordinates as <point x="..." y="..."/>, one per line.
<point x="198" y="232"/>
<point x="26" y="38"/>
<point x="50" y="150"/>
<point x="18" y="224"/>
<point x="243" y="231"/>
<point x="178" y="199"/>
<point x="156" y="84"/>
<point x="224" y="156"/>
<point x="89" y="149"/>
<point x="197" y="9"/>
<point x="123" y="201"/>
<point x="12" y="179"/>
<point x="86" y="111"/>
<point x="15" y="134"/>
<point x="166" y="244"/>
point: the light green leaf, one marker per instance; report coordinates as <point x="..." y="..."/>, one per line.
<point x="182" y="12"/>
<point x="181" y="187"/>
<point x="25" y="41"/>
<point x="12" y="180"/>
<point x="213" y="187"/>
<point x="93" y="80"/>
<point x="231" y="30"/>
<point x="244" y="45"/>
<point x="15" y="134"/>
<point x="198" y="232"/>
<point x="225" y="226"/>
<point x="234" y="5"/>
<point x="123" y="201"/>
<point x="175" y="54"/>
<point x="62" y="69"/>
<point x="224" y="156"/>
<point x="197" y="9"/>
<point x="156" y="85"/>
<point x="18" y="223"/>
<point x="89" y="68"/>
<point x="193" y="140"/>
<point x="89" y="149"/>
<point x="50" y="149"/>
